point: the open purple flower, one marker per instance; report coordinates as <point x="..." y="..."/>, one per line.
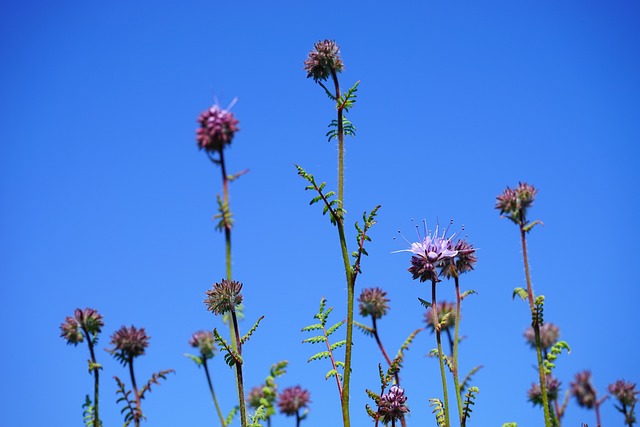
<point x="392" y="405"/>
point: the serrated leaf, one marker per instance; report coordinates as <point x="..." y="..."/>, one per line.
<point x="312" y="327"/>
<point x="425" y="304"/>
<point x="338" y="344"/>
<point x="315" y="340"/>
<point x="318" y="356"/>
<point x="521" y="292"/>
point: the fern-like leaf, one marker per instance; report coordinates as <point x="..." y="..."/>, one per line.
<point x="224" y="215"/>
<point x="154" y="380"/>
<point x="319" y="356"/>
<point x="367" y="330"/>
<point x="231" y="415"/>
<point x="331" y="206"/>
<point x="510" y="424"/>
<point x="438" y="410"/>
<point x="468" y="401"/>
<point x="425" y="304"/>
<point x="465" y="382"/>
<point x="362" y="236"/>
<point x="246" y="336"/>
<point x="467" y="293"/>
<point x="334" y="328"/>
<point x="338" y="344"/>
<point x="553" y="354"/>
<point x="521" y="292"/>
<point x="196" y="359"/>
<point x="259" y="415"/>
<point x="130" y="411"/>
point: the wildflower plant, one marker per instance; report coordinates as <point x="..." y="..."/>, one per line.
<point x="626" y="395"/>
<point x="130" y="343"/>
<point x="292" y="400"/>
<point x="86" y="325"/>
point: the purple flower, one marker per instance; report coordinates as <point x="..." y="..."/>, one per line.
<point x="582" y="389"/>
<point x="392" y="405"/>
<point x="292" y="399"/>
<point x="217" y="127"/>
<point x="323" y="60"/>
<point x="373" y="302"/>
<point x="513" y="203"/>
<point x="204" y="341"/>
<point x="73" y="327"/>
<point x="428" y="253"/>
<point x="625" y="392"/>
<point x="255" y="396"/>
<point x="129" y="343"/>
<point x="549" y="334"/>
<point x="463" y="262"/>
<point x="224" y="296"/>
<point x="553" y="388"/>
<point x="443" y="308"/>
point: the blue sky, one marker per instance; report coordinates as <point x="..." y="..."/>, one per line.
<point x="108" y="202"/>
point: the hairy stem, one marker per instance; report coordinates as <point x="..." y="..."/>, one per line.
<point x="334" y="75"/>
<point x="239" y="380"/>
<point x="536" y="327"/>
<point x="135" y="392"/>
<point x="96" y="372"/>
<point x="213" y="394"/>
<point x="456" y="374"/>
<point x="436" y="326"/>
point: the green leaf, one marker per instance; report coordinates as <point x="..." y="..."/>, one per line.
<point x="318" y="356"/>
<point x="315" y="340"/>
<point x="338" y="344"/>
<point x="521" y="292"/>
<point x="425" y="304"/>
<point x="196" y="359"/>
<point x="467" y="293"/>
<point x="312" y="327"/>
<point x="246" y="336"/>
<point x="334" y="328"/>
<point x="527" y="228"/>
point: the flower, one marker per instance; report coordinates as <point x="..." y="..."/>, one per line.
<point x="204" y="341"/>
<point x="392" y="405"/>
<point x="88" y="320"/>
<point x="373" y="302"/>
<point x="553" y="388"/>
<point x="224" y="296"/>
<point x="444" y="308"/>
<point x="549" y="334"/>
<point x="292" y="399"/>
<point x="428" y="253"/>
<point x="255" y="395"/>
<point x="583" y="390"/>
<point x="323" y="60"/>
<point x="129" y="343"/>
<point x="217" y="127"/>
<point x="515" y="202"/>
<point x="625" y="392"/>
<point x="463" y="261"/>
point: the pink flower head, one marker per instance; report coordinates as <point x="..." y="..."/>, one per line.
<point x="392" y="405"/>
<point x="217" y="128"/>
<point x="292" y="399"/>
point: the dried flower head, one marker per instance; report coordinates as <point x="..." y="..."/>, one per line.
<point x="292" y="399"/>
<point x="553" y="389"/>
<point x="373" y="302"/>
<point x="204" y="341"/>
<point x="429" y="253"/>
<point x="549" y="334"/>
<point x="217" y="127"/>
<point x="513" y="203"/>
<point x="87" y="320"/>
<point x="463" y="262"/>
<point x="128" y="343"/>
<point x="323" y="60"/>
<point x="625" y="392"/>
<point x="392" y="405"/>
<point x="582" y="389"/>
<point x="224" y="296"/>
<point x="444" y="308"/>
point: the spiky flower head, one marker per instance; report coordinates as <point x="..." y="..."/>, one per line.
<point x="625" y="392"/>
<point x="463" y="262"/>
<point x="88" y="320"/>
<point x="392" y="405"/>
<point x="292" y="399"/>
<point x="373" y="302"/>
<point x="217" y="127"/>
<point x="444" y="308"/>
<point x="513" y="203"/>
<point x="429" y="253"/>
<point x="255" y="395"/>
<point x="549" y="334"/>
<point x="204" y="341"/>
<point x="582" y="389"/>
<point x="224" y="296"/>
<point x="553" y="389"/>
<point x="323" y="60"/>
<point x="128" y="342"/>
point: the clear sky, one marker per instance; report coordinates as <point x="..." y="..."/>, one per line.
<point x="107" y="202"/>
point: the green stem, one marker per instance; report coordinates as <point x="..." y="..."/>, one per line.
<point x="96" y="372"/>
<point x="456" y="374"/>
<point x="340" y="143"/>
<point x="138" y="414"/>
<point x="239" y="379"/>
<point x="536" y="328"/>
<point x="213" y="394"/>
<point x="436" y="326"/>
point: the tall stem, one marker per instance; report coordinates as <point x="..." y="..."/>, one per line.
<point x="386" y="357"/>
<point x="135" y="392"/>
<point x="436" y="327"/>
<point x="213" y="394"/>
<point x="334" y="75"/>
<point x="536" y="328"/>
<point x="96" y="372"/>
<point x="456" y="374"/>
<point x="240" y="382"/>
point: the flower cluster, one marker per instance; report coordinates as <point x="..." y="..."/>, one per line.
<point x="392" y="405"/>
<point x="373" y="302"/>
<point x="462" y="263"/>
<point x="224" y="296"/>
<point x="625" y="392"/>
<point x="549" y="334"/>
<point x="217" y="127"/>
<point x="129" y="343"/>
<point x="553" y="389"/>
<point x="582" y="389"/>
<point x="444" y="308"/>
<point x="204" y="341"/>
<point x="88" y="320"/>
<point x="513" y="203"/>
<point x="323" y="60"/>
<point x="255" y="396"/>
<point x="292" y="399"/>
